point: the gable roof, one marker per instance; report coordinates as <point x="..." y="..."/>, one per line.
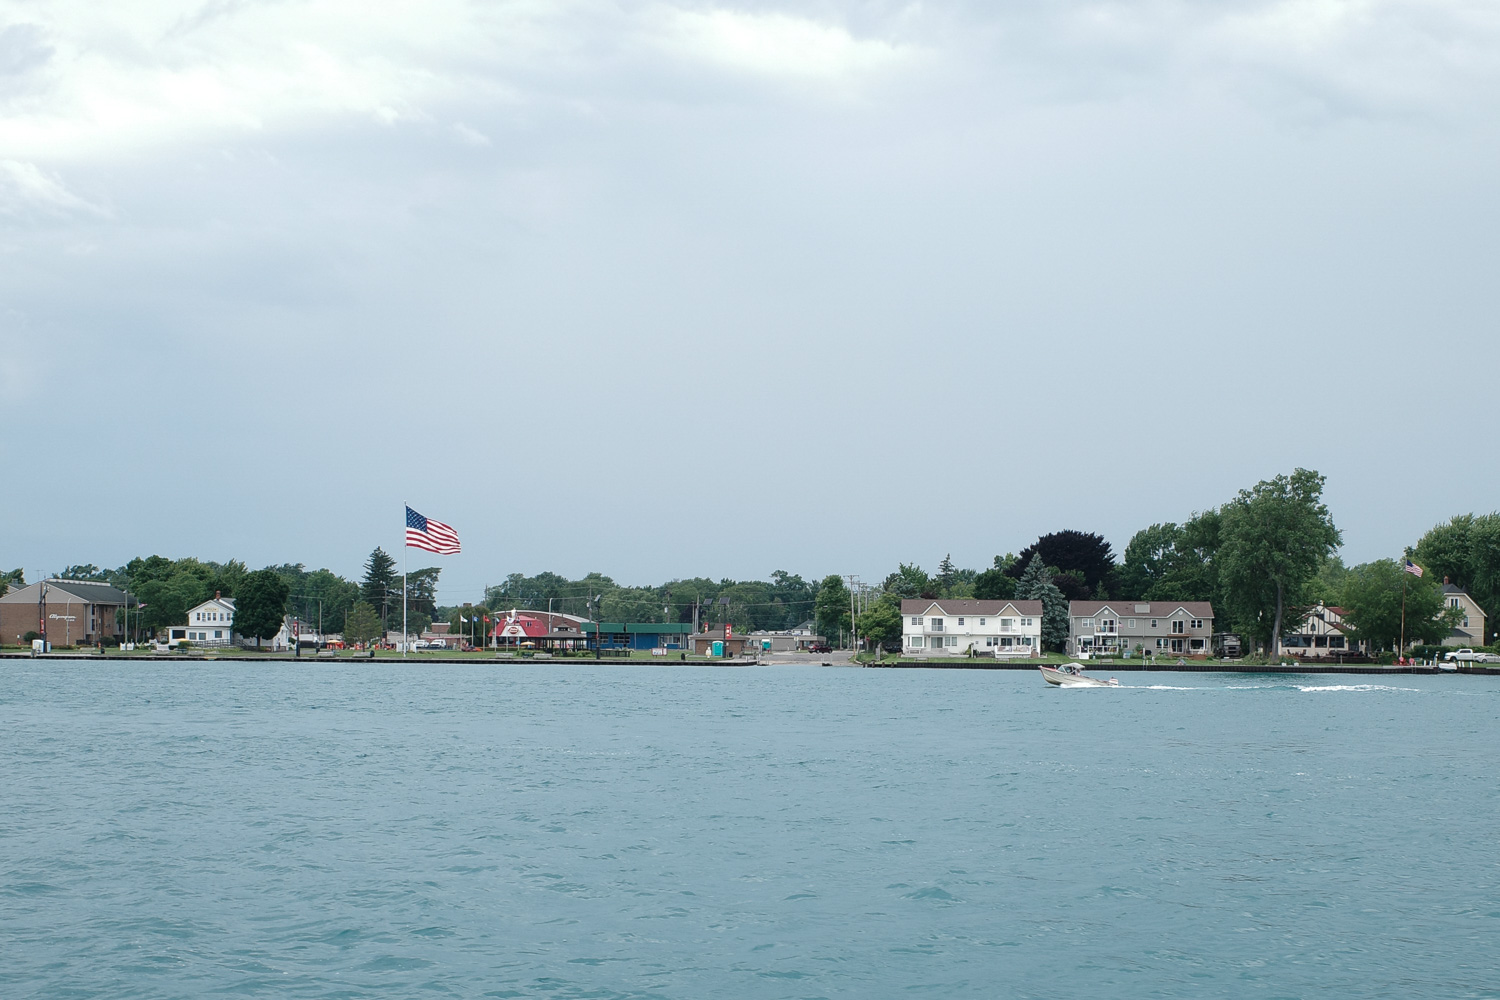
<point x="1154" y="609"/>
<point x="85" y="591"/>
<point x="923" y="605"/>
<point x="1453" y="590"/>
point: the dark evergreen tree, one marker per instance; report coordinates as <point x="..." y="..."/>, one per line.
<point x="381" y="589"/>
<point x="1036" y="585"/>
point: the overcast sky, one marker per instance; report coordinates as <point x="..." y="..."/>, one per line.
<point x="666" y="289"/>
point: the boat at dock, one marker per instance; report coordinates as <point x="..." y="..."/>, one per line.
<point x="1072" y="675"/>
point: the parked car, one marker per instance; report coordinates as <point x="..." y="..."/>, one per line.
<point x="821" y="647"/>
<point x="1469" y="656"/>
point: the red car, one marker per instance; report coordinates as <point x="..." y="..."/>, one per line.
<point x="821" y="647"/>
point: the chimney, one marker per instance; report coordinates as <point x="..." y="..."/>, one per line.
<point x="216" y="595"/>
<point x="1445" y="581"/>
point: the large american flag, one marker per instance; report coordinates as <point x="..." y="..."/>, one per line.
<point x="434" y="536"/>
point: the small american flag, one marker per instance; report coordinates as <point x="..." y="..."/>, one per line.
<point x="434" y="536"/>
<point x="1412" y="568"/>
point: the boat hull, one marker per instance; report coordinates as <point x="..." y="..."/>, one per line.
<point x="1063" y="678"/>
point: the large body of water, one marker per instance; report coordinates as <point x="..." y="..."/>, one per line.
<point x="571" y="831"/>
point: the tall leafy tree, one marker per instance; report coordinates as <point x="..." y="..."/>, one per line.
<point x="1036" y="585"/>
<point x="260" y="605"/>
<point x="881" y="623"/>
<point x="363" y="624"/>
<point x="994" y="585"/>
<point x="910" y="581"/>
<point x="833" y="608"/>
<point x="1086" y="554"/>
<point x="1171" y="562"/>
<point x="1272" y="540"/>
<point x="1373" y="604"/>
<point x="1467" y="551"/>
<point x="381" y="587"/>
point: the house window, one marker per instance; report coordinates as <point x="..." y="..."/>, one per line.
<point x="1178" y="626"/>
<point x="1452" y="602"/>
<point x="1466" y="621"/>
<point x="1025" y="622"/>
<point x="915" y="620"/>
<point x="1130" y="623"/>
<point x="218" y="634"/>
<point x="1088" y="623"/>
<point x="1176" y="645"/>
<point x="1197" y="623"/>
<point x="981" y="621"/>
<point x="951" y="640"/>
<point x="1153" y="623"/>
<point x="960" y="621"/>
<point x="937" y="624"/>
<point x="1335" y="642"/>
<point x="1161" y="644"/>
<point x="1006" y="624"/>
<point x="916" y="641"/>
<point x="1106" y="624"/>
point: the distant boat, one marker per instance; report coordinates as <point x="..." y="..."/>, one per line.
<point x="1071" y="675"/>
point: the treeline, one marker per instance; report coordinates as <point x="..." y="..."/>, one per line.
<point x="783" y="602"/>
<point x="1262" y="558"/>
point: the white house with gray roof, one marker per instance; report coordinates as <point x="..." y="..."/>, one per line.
<point x="932" y="627"/>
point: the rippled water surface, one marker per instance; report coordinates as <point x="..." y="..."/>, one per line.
<point x="581" y="831"/>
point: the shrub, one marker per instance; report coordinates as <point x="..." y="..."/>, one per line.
<point x="31" y="636"/>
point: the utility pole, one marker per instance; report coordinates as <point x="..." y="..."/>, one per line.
<point x="41" y="613"/>
<point x="853" y="613"/>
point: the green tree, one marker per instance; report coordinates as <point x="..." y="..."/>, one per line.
<point x="1085" y="554"/>
<point x="994" y="585"/>
<point x="832" y="608"/>
<point x="381" y="587"/>
<point x="87" y="571"/>
<point x="1036" y="585"/>
<point x="881" y="623"/>
<point x="1272" y="540"/>
<point x="1373" y="599"/>
<point x="11" y="578"/>
<point x="363" y="624"/>
<point x="1466" y="550"/>
<point x="421" y="592"/>
<point x="260" y="605"/>
<point x="909" y="582"/>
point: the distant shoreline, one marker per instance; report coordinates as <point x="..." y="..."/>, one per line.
<point x="958" y="663"/>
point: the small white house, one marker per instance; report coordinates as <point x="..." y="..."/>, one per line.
<point x="954" y="627"/>
<point x="209" y="624"/>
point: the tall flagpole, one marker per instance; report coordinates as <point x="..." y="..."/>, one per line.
<point x="405" y="641"/>
<point x="1403" y="608"/>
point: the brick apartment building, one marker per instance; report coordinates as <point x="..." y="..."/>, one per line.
<point x="77" y="612"/>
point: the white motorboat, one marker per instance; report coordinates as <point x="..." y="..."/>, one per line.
<point x="1071" y="675"/>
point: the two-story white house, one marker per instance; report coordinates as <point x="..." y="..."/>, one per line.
<point x="1158" y="628"/>
<point x="954" y="627"/>
<point x="209" y="624"/>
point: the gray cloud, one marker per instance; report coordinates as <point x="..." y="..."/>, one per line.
<point x="659" y="289"/>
